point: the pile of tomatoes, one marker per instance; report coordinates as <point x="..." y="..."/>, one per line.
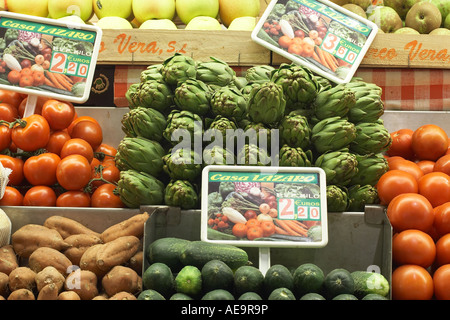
<point x="416" y="191"/>
<point x="57" y="158"/>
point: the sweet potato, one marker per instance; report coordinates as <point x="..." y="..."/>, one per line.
<point x="48" y="292"/>
<point x="100" y="297"/>
<point x="4" y="284"/>
<point x="133" y="226"/>
<point x="136" y="261"/>
<point x="68" y="295"/>
<point x="88" y="260"/>
<point x="8" y="259"/>
<point x="79" y="243"/>
<point x="117" y="252"/>
<point x="67" y="227"/>
<point x="44" y="257"/>
<point x="121" y="278"/>
<point x="29" y="237"/>
<point x="49" y="275"/>
<point x="123" y="296"/>
<point x="22" y="278"/>
<point x="2" y="298"/>
<point x="21" y="294"/>
<point x="83" y="283"/>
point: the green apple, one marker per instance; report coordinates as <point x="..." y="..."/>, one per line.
<point x="447" y="21"/>
<point x="188" y="9"/>
<point x="112" y="8"/>
<point x="355" y="9"/>
<point x="158" y="24"/>
<point x="72" y="18"/>
<point x="62" y="8"/>
<point x="401" y="6"/>
<point x="232" y="9"/>
<point x="406" y="30"/>
<point x="37" y="8"/>
<point x="386" y="18"/>
<point x="114" y="23"/>
<point x="362" y="3"/>
<point x="203" y="23"/>
<point x="153" y="9"/>
<point x="441" y="31"/>
<point x="424" y="17"/>
<point x="243" y="23"/>
<point x="444" y="8"/>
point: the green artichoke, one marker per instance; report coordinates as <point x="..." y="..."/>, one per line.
<point x="132" y="96"/>
<point x="152" y="72"/>
<point x="248" y="88"/>
<point x="155" y="94"/>
<point x="181" y="193"/>
<point x="252" y="155"/>
<point x="144" y="122"/>
<point x="266" y="103"/>
<point x="225" y="188"/>
<point x="340" y="166"/>
<point x="332" y="134"/>
<point x="299" y="85"/>
<point x="194" y="96"/>
<point x="215" y="72"/>
<point x="323" y="83"/>
<point x="216" y="155"/>
<point x="140" y="188"/>
<point x="178" y="68"/>
<point x="219" y="126"/>
<point x="295" y="157"/>
<point x="362" y="88"/>
<point x="181" y="165"/>
<point x="359" y="196"/>
<point x="371" y="137"/>
<point x="370" y="168"/>
<point x="333" y="102"/>
<point x="368" y="108"/>
<point x="295" y="131"/>
<point x="229" y="102"/>
<point x="188" y="123"/>
<point x="259" y="73"/>
<point x="337" y="198"/>
<point x="239" y="82"/>
<point x="140" y="154"/>
<point x="262" y="132"/>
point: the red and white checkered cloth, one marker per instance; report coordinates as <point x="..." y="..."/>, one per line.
<point x="403" y="89"/>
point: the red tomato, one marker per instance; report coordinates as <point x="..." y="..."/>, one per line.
<point x="89" y="131"/>
<point x="443" y="250"/>
<point x="41" y="169"/>
<point x="411" y="282"/>
<point x="77" y="146"/>
<point x="407" y="166"/>
<point x="16" y="165"/>
<point x="8" y="112"/>
<point x="41" y="196"/>
<point x="435" y="186"/>
<point x="429" y="142"/>
<point x="401" y="144"/>
<point x="33" y="136"/>
<point x="104" y="197"/>
<point x="59" y="114"/>
<point x="442" y="219"/>
<point x="108" y="172"/>
<point x="413" y="247"/>
<point x="37" y="109"/>
<point x="107" y="150"/>
<point x="77" y="119"/>
<point x="11" y="197"/>
<point x="10" y="97"/>
<point x="73" y="199"/>
<point x="5" y="137"/>
<point x="442" y="164"/>
<point x="395" y="182"/>
<point x="56" y="141"/>
<point x="426" y="166"/>
<point x="73" y="172"/>
<point x="441" y="281"/>
<point x="410" y="211"/>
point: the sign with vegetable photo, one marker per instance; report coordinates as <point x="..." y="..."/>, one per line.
<point x="44" y="57"/>
<point x="320" y="35"/>
<point x="264" y="208"/>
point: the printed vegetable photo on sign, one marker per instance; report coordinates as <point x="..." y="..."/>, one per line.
<point x="251" y="206"/>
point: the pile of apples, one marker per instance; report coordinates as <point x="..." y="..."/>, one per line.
<point x="146" y="14"/>
<point x="403" y="16"/>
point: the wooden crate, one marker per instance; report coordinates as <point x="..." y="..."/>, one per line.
<point x="403" y="51"/>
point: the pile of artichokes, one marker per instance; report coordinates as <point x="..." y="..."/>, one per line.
<point x="321" y="124"/>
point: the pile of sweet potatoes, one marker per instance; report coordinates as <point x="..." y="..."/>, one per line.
<point x="64" y="260"/>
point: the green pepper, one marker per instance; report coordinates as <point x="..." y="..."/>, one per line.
<point x="11" y="35"/>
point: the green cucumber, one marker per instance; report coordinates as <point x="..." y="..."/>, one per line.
<point x="308" y="278"/>
<point x="248" y="279"/>
<point x="217" y="274"/>
<point x="281" y="294"/>
<point x="338" y="281"/>
<point x="218" y="294"/>
<point x="198" y="253"/>
<point x="180" y="296"/>
<point x="189" y="281"/>
<point x="278" y="276"/>
<point x="345" y="296"/>
<point x="250" y="296"/>
<point x="312" y="296"/>
<point x="159" y="277"/>
<point x="167" y="251"/>
<point x="370" y="282"/>
<point x="150" y="294"/>
<point x="374" y="296"/>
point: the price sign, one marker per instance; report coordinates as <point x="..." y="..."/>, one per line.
<point x="61" y="56"/>
<point x="288" y="204"/>
<point x="326" y="38"/>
